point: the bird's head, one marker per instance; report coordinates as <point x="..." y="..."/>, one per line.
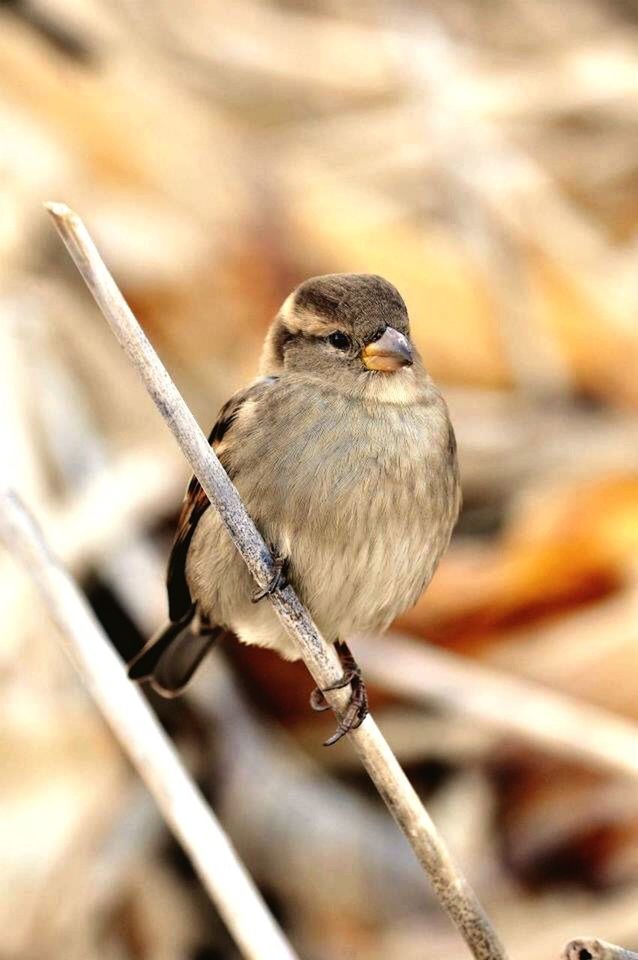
<point x="349" y="329"/>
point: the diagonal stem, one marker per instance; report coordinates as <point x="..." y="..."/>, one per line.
<point x="450" y="885"/>
<point x="223" y="875"/>
<point x="593" y="949"/>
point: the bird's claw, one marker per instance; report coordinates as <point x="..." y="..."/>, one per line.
<point x="277" y="582"/>
<point x="357" y="709"/>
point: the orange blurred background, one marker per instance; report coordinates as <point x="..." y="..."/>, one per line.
<point x="482" y="157"/>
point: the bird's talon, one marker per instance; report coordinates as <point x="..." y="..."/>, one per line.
<point x="336" y="736"/>
<point x="349" y="676"/>
<point x="357" y="709"/>
<point x="354" y="716"/>
<point x="318" y="702"/>
<point x="277" y="582"/>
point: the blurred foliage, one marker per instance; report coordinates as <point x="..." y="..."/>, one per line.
<point x="482" y="156"/>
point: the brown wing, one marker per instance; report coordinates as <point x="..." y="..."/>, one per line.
<point x="196" y="503"/>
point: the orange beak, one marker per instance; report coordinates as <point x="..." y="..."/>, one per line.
<point x="389" y="353"/>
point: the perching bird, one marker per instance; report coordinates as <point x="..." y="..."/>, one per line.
<point x="345" y="458"/>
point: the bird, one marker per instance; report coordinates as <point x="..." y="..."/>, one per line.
<point x="345" y="457"/>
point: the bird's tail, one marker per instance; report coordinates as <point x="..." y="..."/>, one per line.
<point x="172" y="655"/>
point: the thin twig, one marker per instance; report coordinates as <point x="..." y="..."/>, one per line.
<point x="593" y="949"/>
<point x="451" y="887"/>
<point x="151" y="752"/>
<point x="110" y="508"/>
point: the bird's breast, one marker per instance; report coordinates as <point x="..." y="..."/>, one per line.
<point x="359" y="500"/>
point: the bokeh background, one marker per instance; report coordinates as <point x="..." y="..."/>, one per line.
<point x="483" y="156"/>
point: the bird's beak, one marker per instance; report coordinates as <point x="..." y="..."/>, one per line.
<point x="389" y="353"/>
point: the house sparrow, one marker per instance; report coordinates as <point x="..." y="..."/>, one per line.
<point x="345" y="458"/>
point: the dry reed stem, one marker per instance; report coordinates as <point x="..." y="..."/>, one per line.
<point x="450" y="886"/>
<point x="223" y="875"/>
<point x="593" y="949"/>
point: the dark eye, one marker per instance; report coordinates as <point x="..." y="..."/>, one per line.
<point x="339" y="340"/>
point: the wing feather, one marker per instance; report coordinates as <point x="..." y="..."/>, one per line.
<point x="196" y="502"/>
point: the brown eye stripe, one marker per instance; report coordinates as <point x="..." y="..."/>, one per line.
<point x="316" y="301"/>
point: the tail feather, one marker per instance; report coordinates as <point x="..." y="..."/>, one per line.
<point x="171" y="657"/>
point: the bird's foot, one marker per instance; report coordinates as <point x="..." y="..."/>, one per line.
<point x="278" y="580"/>
<point x="357" y="709"/>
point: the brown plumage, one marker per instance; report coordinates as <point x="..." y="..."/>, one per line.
<point x="344" y="455"/>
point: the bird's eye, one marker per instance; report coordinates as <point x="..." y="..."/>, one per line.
<point x="339" y="340"/>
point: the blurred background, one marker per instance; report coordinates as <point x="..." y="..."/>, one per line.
<point x="483" y="156"/>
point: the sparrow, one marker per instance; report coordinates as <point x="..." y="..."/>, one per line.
<point x="344" y="455"/>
